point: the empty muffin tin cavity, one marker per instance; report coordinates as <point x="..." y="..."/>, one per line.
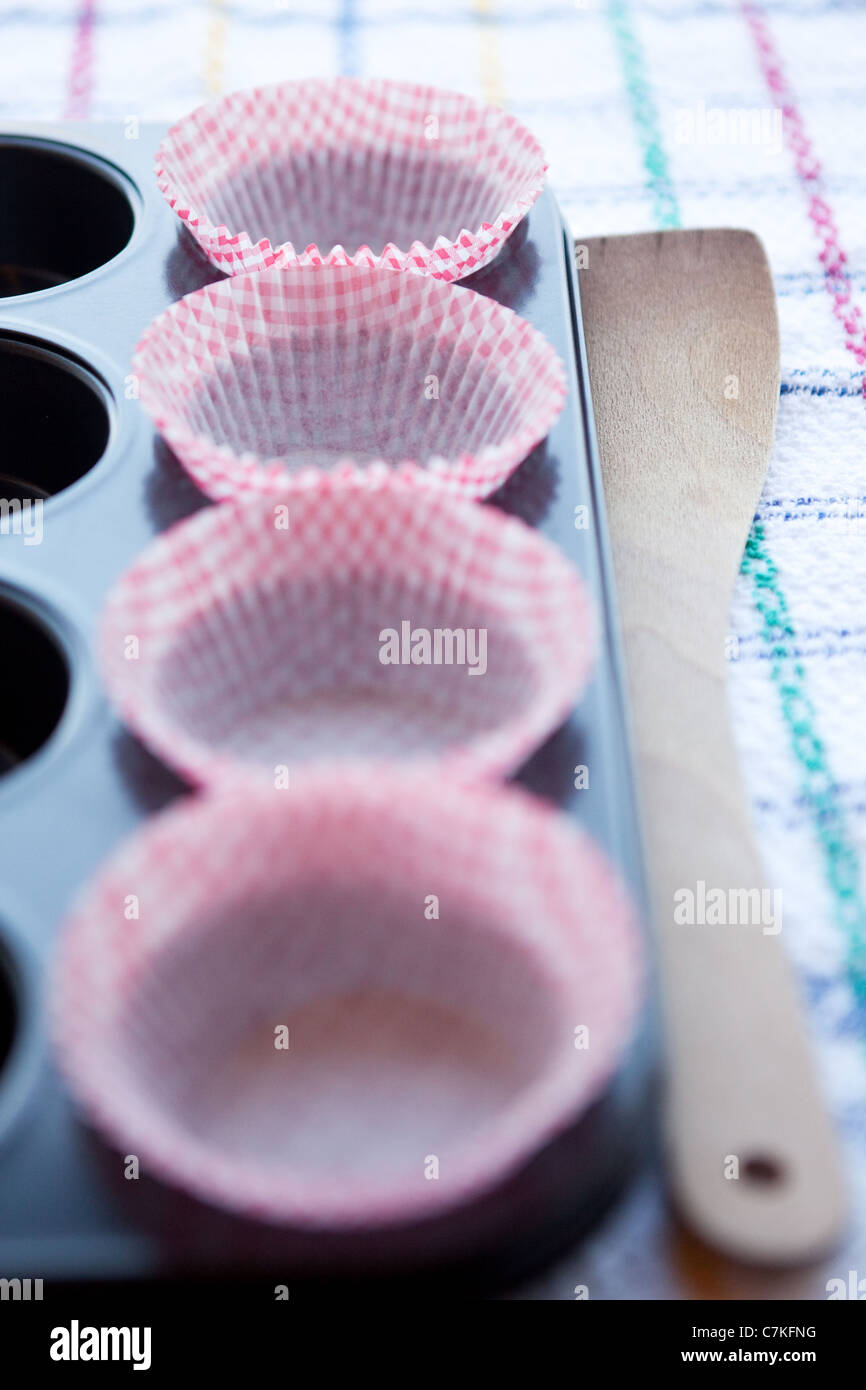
<point x="56" y="419"/>
<point x="35" y="684"/>
<point x="63" y="214"/>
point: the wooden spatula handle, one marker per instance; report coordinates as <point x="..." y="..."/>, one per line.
<point x="683" y="351"/>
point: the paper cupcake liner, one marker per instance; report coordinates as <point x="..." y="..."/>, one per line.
<point x="360" y="1003"/>
<point x="257" y="636"/>
<point x="349" y="171"/>
<point x="345" y="376"/>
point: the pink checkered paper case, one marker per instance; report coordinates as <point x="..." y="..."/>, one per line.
<point x="305" y="916"/>
<point x="346" y="376"/>
<point x="350" y="171"/>
<point x="387" y="624"/>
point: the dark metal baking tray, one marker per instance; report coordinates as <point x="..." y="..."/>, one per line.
<point x="66" y="1212"/>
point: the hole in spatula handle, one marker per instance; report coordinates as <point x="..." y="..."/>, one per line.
<point x="763" y="1170"/>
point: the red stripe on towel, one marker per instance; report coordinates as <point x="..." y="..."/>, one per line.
<point x="80" y="87"/>
<point x="809" y="171"/>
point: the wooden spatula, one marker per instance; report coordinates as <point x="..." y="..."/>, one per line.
<point x="684" y="367"/>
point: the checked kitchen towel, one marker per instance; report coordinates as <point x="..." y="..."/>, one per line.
<point x="669" y="113"/>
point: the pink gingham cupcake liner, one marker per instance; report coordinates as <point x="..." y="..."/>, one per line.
<point x="346" y="376"/>
<point x="350" y="172"/>
<point x="413" y="627"/>
<point x="356" y="1004"/>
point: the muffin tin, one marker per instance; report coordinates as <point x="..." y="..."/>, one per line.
<point x="76" y="783"/>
